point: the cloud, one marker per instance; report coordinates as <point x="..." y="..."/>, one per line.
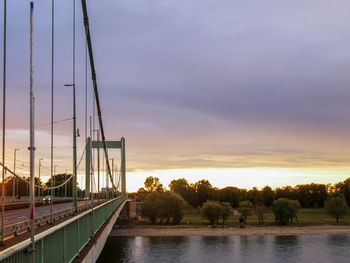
<point x="196" y="83"/>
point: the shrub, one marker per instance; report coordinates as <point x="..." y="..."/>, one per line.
<point x="165" y="206"/>
<point x="285" y="209"/>
<point x="213" y="210"/>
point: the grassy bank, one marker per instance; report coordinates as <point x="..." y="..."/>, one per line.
<point x="307" y="217"/>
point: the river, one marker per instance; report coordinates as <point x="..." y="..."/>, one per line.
<point x="269" y="249"/>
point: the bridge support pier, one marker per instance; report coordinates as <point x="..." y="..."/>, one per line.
<point x="96" y="248"/>
<point x="127" y="216"/>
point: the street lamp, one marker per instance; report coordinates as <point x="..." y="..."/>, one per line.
<point x="74" y="185"/>
<point x="14" y="171"/>
<point x="98" y="164"/>
<point x="54" y="179"/>
<point x="3" y="129"/>
<point x="65" y="185"/>
<point x="52" y="193"/>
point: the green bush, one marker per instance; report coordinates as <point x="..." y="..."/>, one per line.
<point x="285" y="210"/>
<point x="166" y="206"/>
<point x="214" y="210"/>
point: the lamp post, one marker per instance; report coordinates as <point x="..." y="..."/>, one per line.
<point x="74" y="185"/>
<point x="3" y="130"/>
<point x="112" y="174"/>
<point x="65" y="185"/>
<point x="98" y="164"/>
<point x="54" y="180"/>
<point x="14" y="171"/>
<point x="39" y="190"/>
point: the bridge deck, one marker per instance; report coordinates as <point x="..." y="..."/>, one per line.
<point x="20" y="216"/>
<point x="63" y="242"/>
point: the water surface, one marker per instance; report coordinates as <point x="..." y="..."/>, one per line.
<point x="271" y="249"/>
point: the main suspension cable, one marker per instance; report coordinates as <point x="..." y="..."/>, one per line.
<point x="94" y="82"/>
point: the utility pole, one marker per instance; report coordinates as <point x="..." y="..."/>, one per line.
<point x="14" y="178"/>
<point x="39" y="190"/>
<point x="98" y="164"/>
<point x="74" y="123"/>
<point x="3" y="130"/>
<point x="104" y="174"/>
<point x="32" y="147"/>
<point x="52" y="101"/>
<point x="123" y="167"/>
<point x="92" y="188"/>
<point x="107" y="178"/>
<point x="74" y="185"/>
<point x="54" y="179"/>
<point x="65" y="185"/>
<point x="113" y="173"/>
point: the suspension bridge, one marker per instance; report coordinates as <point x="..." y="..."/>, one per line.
<point x="60" y="220"/>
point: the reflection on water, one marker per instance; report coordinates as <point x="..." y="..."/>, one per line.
<point x="272" y="249"/>
<point x="289" y="246"/>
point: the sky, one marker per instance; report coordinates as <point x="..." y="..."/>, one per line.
<point x="244" y="93"/>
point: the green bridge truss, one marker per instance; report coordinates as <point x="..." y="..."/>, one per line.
<point x="64" y="242"/>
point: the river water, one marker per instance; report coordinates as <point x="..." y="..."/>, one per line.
<point x="269" y="249"/>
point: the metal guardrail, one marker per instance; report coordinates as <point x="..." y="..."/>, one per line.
<point x="62" y="243"/>
<point x="19" y="227"/>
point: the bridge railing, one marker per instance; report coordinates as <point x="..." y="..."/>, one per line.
<point x="62" y="243"/>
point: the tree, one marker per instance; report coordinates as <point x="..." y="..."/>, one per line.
<point x="171" y="207"/>
<point x="344" y="188"/>
<point x="255" y="196"/>
<point x="294" y="207"/>
<point x="166" y="206"/>
<point x="59" y="179"/>
<point x="260" y="210"/>
<point x="152" y="184"/>
<point x="245" y="208"/>
<point x="311" y="195"/>
<point x="268" y="196"/>
<point x="285" y="209"/>
<point x="182" y="187"/>
<point x="203" y="190"/>
<point x="141" y="194"/>
<point x="150" y="207"/>
<point x="229" y="194"/>
<point x="21" y="185"/>
<point x="212" y="210"/>
<point x="287" y="192"/>
<point x="225" y="211"/>
<point x="337" y="206"/>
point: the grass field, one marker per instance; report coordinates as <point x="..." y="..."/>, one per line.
<point x="307" y="217"/>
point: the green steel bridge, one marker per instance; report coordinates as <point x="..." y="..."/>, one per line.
<point x="77" y="239"/>
<point x="76" y="234"/>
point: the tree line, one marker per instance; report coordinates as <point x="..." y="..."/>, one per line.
<point x="196" y="194"/>
<point x="215" y="204"/>
<point x="20" y="187"/>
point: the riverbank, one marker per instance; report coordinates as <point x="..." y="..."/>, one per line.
<point x="248" y="231"/>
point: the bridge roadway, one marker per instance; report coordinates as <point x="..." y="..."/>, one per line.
<point x="79" y="238"/>
<point x="22" y="214"/>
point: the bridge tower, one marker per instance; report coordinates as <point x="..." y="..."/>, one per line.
<point x="109" y="145"/>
